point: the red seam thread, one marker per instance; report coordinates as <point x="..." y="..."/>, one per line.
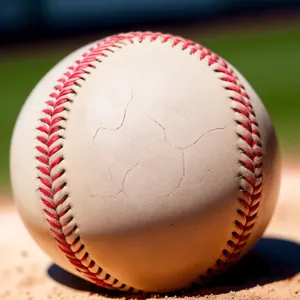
<point x="50" y="144"/>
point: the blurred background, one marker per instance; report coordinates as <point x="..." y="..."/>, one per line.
<point x="261" y="38"/>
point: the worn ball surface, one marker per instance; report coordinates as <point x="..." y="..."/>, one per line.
<point x="144" y="162"/>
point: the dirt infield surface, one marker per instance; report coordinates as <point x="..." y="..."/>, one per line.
<point x="271" y="271"/>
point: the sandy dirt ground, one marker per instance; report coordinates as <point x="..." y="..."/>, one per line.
<point x="270" y="271"/>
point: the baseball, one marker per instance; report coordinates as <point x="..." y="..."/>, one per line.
<point x="144" y="162"/>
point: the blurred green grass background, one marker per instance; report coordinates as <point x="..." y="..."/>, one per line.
<point x="268" y="58"/>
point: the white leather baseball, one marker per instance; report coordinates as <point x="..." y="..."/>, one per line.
<point x="144" y="162"/>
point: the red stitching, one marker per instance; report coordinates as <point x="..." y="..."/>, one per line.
<point x="54" y="194"/>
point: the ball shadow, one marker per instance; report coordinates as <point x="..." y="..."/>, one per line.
<point x="270" y="261"/>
